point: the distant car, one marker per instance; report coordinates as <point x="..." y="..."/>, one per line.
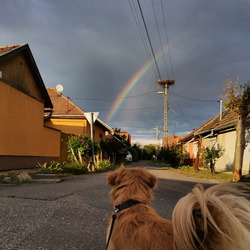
<point x="128" y="157"/>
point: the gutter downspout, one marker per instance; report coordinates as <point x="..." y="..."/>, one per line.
<point x="189" y="141"/>
<point x="211" y="134"/>
<point x="49" y="115"/>
<point x="220" y="109"/>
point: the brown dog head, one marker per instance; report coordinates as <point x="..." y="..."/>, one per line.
<point x="134" y="184"/>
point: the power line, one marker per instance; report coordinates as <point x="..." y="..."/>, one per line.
<point x="165" y="27"/>
<point x="139" y="27"/>
<point x="145" y="26"/>
<point x="100" y="99"/>
<point x="193" y="99"/>
<point x="107" y="110"/>
<point x="152" y="107"/>
<point x="158" y="30"/>
<point x="185" y="118"/>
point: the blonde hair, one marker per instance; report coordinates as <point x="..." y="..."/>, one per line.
<point x="217" y="218"/>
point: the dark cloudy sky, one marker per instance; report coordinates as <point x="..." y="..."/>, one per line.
<point x="93" y="48"/>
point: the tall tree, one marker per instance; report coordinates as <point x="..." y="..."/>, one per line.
<point x="238" y="102"/>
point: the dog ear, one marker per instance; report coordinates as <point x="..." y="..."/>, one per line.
<point x="112" y="178"/>
<point x="150" y="179"/>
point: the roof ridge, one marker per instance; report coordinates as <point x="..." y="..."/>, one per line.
<point x="9" y="48"/>
<point x="66" y="99"/>
<point x="12" y="46"/>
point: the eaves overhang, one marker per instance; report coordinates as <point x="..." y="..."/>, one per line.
<point x="25" y="49"/>
<point x="217" y="130"/>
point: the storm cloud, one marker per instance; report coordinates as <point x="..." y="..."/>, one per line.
<point x="93" y="48"/>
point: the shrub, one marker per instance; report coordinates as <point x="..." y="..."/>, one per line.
<point x="80" y="148"/>
<point x="103" y="165"/>
<point x="51" y="168"/>
<point x="134" y="154"/>
<point x="171" y="156"/>
<point x="210" y="155"/>
<point x="139" y="151"/>
<point x="113" y="148"/>
<point x="74" y="168"/>
<point x="65" y="167"/>
<point x="149" y="151"/>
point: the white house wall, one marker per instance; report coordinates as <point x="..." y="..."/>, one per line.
<point x="246" y="162"/>
<point x="227" y="141"/>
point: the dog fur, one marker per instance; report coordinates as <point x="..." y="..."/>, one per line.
<point x="217" y="218"/>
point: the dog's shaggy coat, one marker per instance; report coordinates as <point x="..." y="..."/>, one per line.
<point x="218" y="218"/>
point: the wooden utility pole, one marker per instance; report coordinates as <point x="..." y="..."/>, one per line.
<point x="165" y="83"/>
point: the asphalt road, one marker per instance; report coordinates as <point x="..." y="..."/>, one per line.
<point x="73" y="214"/>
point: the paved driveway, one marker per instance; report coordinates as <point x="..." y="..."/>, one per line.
<point x="73" y="214"/>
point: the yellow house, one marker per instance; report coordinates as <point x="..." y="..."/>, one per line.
<point x="70" y="119"/>
<point x="24" y="138"/>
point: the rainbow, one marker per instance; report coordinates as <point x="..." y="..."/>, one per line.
<point x="132" y="83"/>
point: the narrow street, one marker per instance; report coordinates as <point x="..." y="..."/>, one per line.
<point x="73" y="214"/>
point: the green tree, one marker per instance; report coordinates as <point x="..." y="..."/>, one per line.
<point x="238" y="102"/>
<point x="138" y="149"/>
<point x="210" y="155"/>
<point x="171" y="155"/>
<point x="134" y="153"/>
<point x="114" y="149"/>
<point x="148" y="151"/>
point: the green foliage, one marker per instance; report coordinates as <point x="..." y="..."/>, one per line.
<point x="185" y="167"/>
<point x="204" y="174"/>
<point x="171" y="156"/>
<point x="113" y="148"/>
<point x="74" y="168"/>
<point x="51" y="168"/>
<point x="134" y="153"/>
<point x="103" y="165"/>
<point x="139" y="151"/>
<point x="65" y="167"/>
<point x="148" y="151"/>
<point x="81" y="147"/>
<point x="209" y="155"/>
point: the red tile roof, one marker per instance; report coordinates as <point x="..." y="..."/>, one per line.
<point x="63" y="106"/>
<point x="191" y="135"/>
<point x="8" y="48"/>
<point x="229" y="119"/>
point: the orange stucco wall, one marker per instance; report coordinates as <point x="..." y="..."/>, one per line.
<point x="22" y="131"/>
<point x="74" y="126"/>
